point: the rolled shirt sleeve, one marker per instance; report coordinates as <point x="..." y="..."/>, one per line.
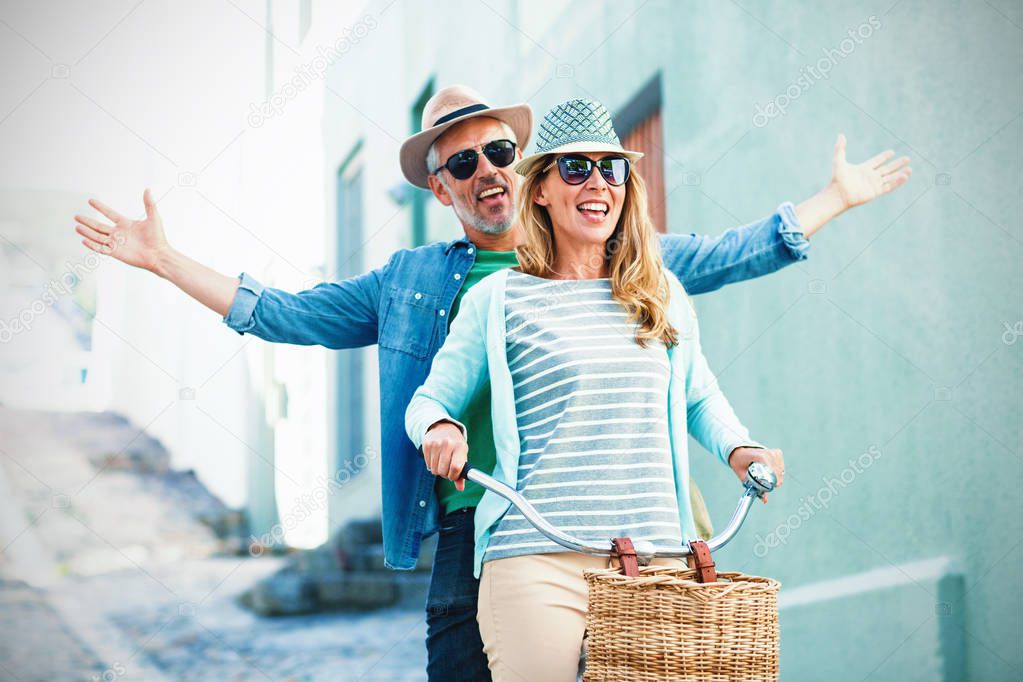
<point x="240" y="317"/>
<point x="791" y="232"/>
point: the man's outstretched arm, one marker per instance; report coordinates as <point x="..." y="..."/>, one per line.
<point x="142" y="243"/>
<point x="332" y="314"/>
<point x="705" y="264"/>
<point x="336" y="315"/>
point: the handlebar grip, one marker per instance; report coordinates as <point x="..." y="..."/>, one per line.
<point x="465" y="471"/>
<point x="761" y="478"/>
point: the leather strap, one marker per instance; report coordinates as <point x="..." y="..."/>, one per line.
<point x="626" y="553"/>
<point x="701" y="561"/>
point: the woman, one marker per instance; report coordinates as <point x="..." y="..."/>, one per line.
<point x="597" y="378"/>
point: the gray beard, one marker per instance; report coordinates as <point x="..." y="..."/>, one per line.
<point x="477" y="221"/>
<point x="481" y="223"/>
<point x="492" y="228"/>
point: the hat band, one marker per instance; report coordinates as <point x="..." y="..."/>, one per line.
<point x="460" y="112"/>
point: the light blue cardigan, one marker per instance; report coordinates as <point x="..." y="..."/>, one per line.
<point x="475" y="351"/>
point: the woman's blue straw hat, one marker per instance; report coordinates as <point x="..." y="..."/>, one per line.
<point x="578" y="125"/>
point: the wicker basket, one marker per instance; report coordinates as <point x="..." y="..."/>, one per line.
<point x="663" y="625"/>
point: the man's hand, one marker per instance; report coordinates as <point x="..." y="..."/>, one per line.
<point x="862" y="182"/>
<point x="851" y="185"/>
<point x="446" y="451"/>
<point x="741" y="458"/>
<point x="142" y="243"/>
<point x="136" y="242"/>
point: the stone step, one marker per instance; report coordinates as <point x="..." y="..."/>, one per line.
<point x="290" y="593"/>
<point x="347" y="573"/>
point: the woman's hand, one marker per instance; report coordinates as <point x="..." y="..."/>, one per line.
<point x="741" y="458"/>
<point x="136" y="242"/>
<point x="446" y="451"/>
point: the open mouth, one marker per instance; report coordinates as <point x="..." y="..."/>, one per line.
<point x="491" y="195"/>
<point x="595" y="211"/>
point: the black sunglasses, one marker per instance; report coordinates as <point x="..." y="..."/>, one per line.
<point x="575" y="168"/>
<point x="463" y="164"/>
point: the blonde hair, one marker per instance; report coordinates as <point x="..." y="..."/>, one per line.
<point x="632" y="252"/>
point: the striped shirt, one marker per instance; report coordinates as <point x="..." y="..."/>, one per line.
<point x="591" y="408"/>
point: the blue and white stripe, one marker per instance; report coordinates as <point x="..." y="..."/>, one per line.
<point x="591" y="406"/>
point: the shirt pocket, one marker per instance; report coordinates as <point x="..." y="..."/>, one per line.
<point x="409" y="322"/>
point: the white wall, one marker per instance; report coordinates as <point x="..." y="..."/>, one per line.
<point x="106" y="101"/>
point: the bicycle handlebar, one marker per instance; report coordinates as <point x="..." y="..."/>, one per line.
<point x="760" y="480"/>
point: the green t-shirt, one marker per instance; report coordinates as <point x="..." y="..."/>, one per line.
<point x="476" y="417"/>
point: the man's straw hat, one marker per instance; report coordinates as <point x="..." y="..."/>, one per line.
<point x="451" y="105"/>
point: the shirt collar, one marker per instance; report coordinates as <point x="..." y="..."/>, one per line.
<point x="463" y="240"/>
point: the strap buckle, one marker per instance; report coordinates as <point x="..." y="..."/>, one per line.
<point x="700" y="560"/>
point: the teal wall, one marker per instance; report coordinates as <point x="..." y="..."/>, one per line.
<point x="886" y="343"/>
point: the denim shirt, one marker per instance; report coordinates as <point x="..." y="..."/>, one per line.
<point x="403" y="307"/>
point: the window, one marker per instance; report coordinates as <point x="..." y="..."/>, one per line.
<point x="305" y="19"/>
<point x="639" y="125"/>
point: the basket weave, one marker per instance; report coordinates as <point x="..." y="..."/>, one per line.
<point x="664" y="625"/>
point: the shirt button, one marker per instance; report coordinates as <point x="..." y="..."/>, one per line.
<point x="422" y="503"/>
<point x="418" y="295"/>
<point x="442" y="313"/>
<point x="469" y="250"/>
<point x="457" y="276"/>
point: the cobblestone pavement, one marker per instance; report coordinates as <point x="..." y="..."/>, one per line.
<point x="89" y="592"/>
<point x="37" y="643"/>
<point x="182" y="623"/>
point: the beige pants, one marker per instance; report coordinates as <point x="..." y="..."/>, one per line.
<point x="532" y="614"/>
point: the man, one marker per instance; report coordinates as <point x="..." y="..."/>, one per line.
<point x="462" y="155"/>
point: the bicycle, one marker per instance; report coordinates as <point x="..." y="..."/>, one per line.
<point x="656" y="622"/>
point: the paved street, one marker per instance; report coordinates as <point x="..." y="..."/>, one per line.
<point x="117" y="583"/>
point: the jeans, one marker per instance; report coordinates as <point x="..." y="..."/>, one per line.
<point x="454" y="647"/>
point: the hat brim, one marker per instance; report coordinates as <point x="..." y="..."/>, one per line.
<point x="414" y="149"/>
<point x="529" y="164"/>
